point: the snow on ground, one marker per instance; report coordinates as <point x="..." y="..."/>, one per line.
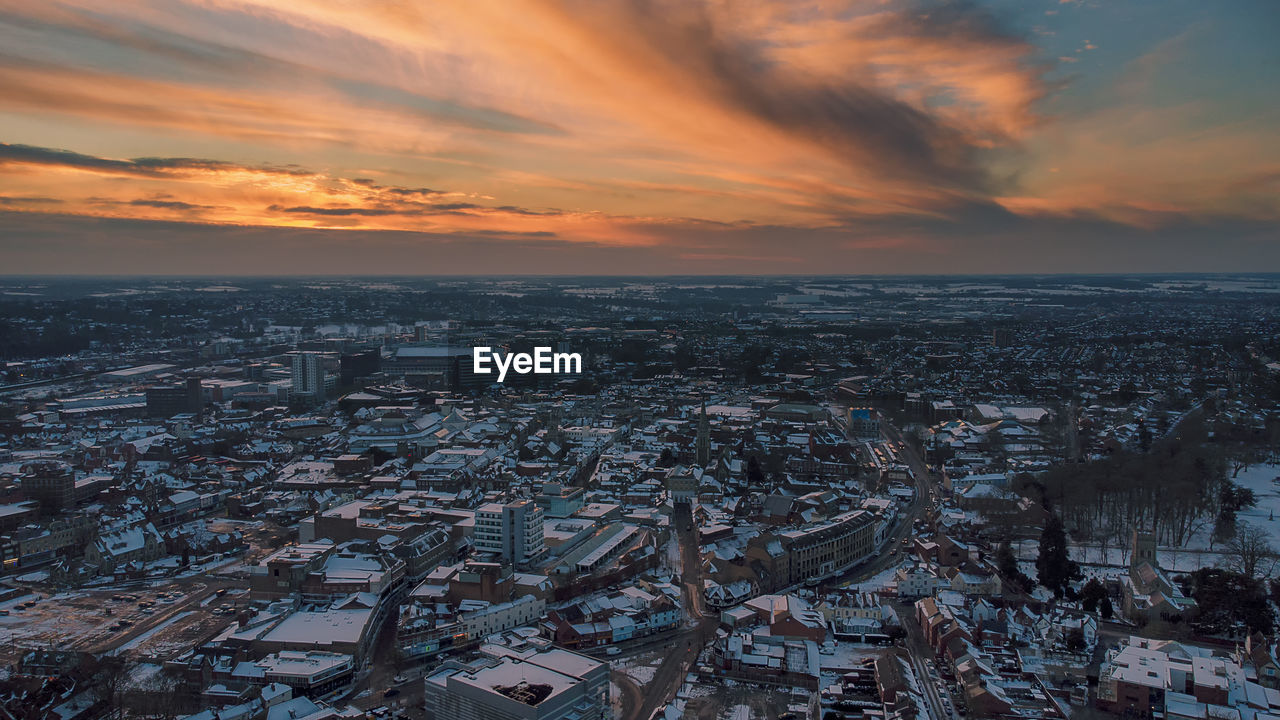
<point x="135" y="643"/>
<point x="142" y="674"/>
<point x="1261" y="479"/>
<point x="9" y="604"/>
<point x="848" y="655"/>
<point x="1198" y="553"/>
<point x="642" y="674"/>
<point x="615" y="698"/>
<point x="641" y="668"/>
<point x="877" y="581"/>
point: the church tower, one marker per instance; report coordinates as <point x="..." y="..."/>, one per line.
<point x="704" y="438"/>
<point x="1144" y="549"/>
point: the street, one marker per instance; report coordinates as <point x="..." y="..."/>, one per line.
<point x="683" y="650"/>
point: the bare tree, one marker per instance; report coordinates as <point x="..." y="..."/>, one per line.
<point x="1250" y="551"/>
<point x="110" y="681"/>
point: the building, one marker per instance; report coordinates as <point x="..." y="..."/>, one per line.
<point x="559" y="501"/>
<point x="136" y="544"/>
<point x="1149" y="594"/>
<point x="683" y="483"/>
<point x="50" y="483"/>
<point x="704" y="439"/>
<point x="1155" y="678"/>
<point x="809" y="554"/>
<point x="353" y="365"/>
<point x="863" y="423"/>
<point x="310" y="672"/>
<point x="136" y="374"/>
<point x="308" y="375"/>
<point x="553" y="684"/>
<point x="169" y="400"/>
<point x="444" y="367"/>
<point x="512" y="531"/>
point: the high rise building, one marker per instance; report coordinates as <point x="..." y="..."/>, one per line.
<point x="363" y="363"/>
<point x="308" y="374"/>
<point x="512" y="531"/>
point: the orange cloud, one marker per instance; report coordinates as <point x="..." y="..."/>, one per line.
<point x="601" y="121"/>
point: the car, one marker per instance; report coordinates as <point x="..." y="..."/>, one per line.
<point x="390" y="692"/>
<point x="399" y="679"/>
<point x="613" y="651"/>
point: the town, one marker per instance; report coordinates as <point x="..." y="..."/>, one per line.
<point x="831" y="498"/>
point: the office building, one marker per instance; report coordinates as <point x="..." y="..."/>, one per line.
<point x="308" y="375"/>
<point x="511" y="531"/>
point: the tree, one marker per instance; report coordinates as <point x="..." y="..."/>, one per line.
<point x="1075" y="640"/>
<point x="110" y="680"/>
<point x="668" y="458"/>
<point x="1054" y="567"/>
<point x="1007" y="565"/>
<point x="755" y="474"/>
<point x="1105" y="608"/>
<point x="1250" y="551"/>
<point x="993" y="443"/>
<point x="1092" y="594"/>
<point x="1230" y="602"/>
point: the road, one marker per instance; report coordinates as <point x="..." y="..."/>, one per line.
<point x="915" y="510"/>
<point x="684" y="648"/>
<point x="920" y="653"/>
<point x="378" y="678"/>
<point x="917" y="649"/>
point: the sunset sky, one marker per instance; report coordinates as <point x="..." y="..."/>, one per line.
<point x="652" y="136"/>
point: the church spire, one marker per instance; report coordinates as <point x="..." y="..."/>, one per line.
<point x="704" y="438"/>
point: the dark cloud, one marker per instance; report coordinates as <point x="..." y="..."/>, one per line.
<point x="11" y="154"/>
<point x="28" y="200"/>
<point x="336" y="212"/>
<point x="410" y="192"/>
<point x="170" y="205"/>
<point x="865" y="124"/>
<point x="411" y="209"/>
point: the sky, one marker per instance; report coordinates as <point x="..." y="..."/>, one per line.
<point x="639" y="136"/>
